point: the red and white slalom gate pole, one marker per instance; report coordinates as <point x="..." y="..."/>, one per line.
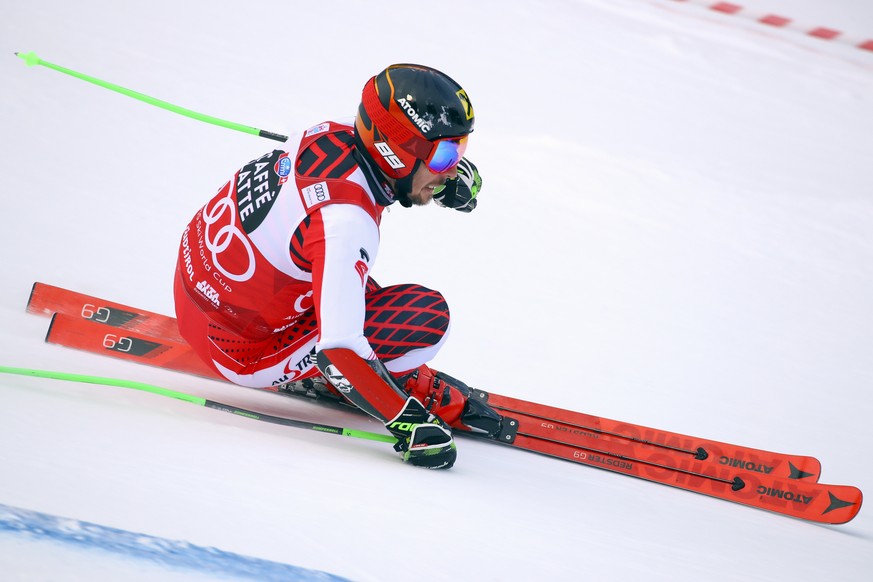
<point x="777" y="21"/>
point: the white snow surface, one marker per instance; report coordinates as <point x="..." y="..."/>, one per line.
<point x="675" y="229"/>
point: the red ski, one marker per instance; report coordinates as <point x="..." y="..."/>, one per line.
<point x="154" y="339"/>
<point x="782" y="483"/>
<point x="47" y="300"/>
<point x="557" y="424"/>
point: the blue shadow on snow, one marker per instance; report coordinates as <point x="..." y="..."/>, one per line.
<point x="175" y="554"/>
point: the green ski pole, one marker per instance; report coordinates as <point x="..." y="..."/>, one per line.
<point x="358" y="434"/>
<point x="31" y="59"/>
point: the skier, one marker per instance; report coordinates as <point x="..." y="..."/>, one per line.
<point x="272" y="285"/>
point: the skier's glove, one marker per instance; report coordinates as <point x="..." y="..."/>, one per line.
<point x="460" y="193"/>
<point x="422" y="440"/>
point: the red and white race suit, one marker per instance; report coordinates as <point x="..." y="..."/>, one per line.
<point x="276" y="266"/>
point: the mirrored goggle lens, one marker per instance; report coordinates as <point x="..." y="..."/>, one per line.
<point x="447" y="153"/>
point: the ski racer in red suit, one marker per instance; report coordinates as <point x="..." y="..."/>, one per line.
<point x="272" y="285"/>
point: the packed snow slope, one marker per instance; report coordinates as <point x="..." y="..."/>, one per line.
<point x="675" y="229"/>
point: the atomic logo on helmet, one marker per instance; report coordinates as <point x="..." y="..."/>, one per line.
<point x="422" y="123"/>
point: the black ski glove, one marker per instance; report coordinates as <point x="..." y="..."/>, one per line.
<point x="422" y="438"/>
<point x="460" y="193"/>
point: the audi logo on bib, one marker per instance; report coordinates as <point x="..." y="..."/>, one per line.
<point x="225" y="241"/>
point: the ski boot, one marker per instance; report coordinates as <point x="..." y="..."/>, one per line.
<point x="451" y="400"/>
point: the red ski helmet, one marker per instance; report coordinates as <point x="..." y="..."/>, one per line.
<point x="411" y="114"/>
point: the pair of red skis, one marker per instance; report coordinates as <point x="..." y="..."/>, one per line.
<point x="786" y="484"/>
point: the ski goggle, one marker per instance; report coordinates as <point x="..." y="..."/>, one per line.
<point x="446" y="153"/>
